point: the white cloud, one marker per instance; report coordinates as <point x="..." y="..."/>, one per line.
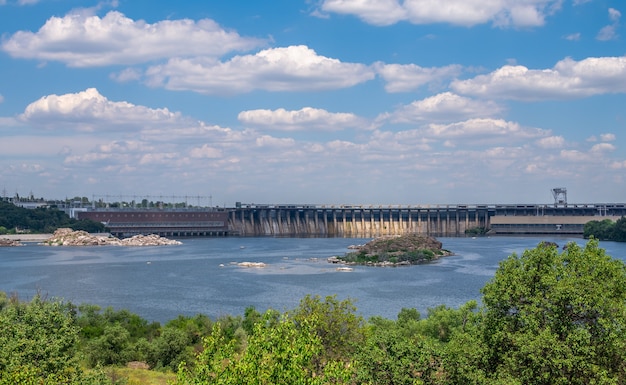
<point x="614" y="15"/>
<point x="293" y="68"/>
<point x="607" y="137"/>
<point x="306" y="118"/>
<point x="1" y="98"/>
<point x="573" y="36"/>
<point x="602" y="147"/>
<point x="195" y="156"/>
<point x="88" y="110"/>
<point x="205" y="151"/>
<point x="444" y="107"/>
<point x="551" y="142"/>
<point x="609" y="32"/>
<point x="484" y="128"/>
<point x="517" y="13"/>
<point x="404" y="78"/>
<point x="619" y="165"/>
<point x="576" y="156"/>
<point x="81" y="40"/>
<point x="127" y="75"/>
<point x="269" y="141"/>
<point x="567" y="79"/>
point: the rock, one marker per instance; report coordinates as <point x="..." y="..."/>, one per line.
<point x="251" y="264"/>
<point x="394" y="251"/>
<point x="69" y="237"/>
<point x="4" y="242"/>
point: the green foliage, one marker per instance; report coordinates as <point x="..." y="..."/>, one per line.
<point x="389" y="357"/>
<point x="606" y="230"/>
<point x="39" y="340"/>
<point x="476" y="231"/>
<point x="414" y="256"/>
<point x="334" y="322"/>
<point x="555" y="318"/>
<point x="276" y="353"/>
<point x="42" y="220"/>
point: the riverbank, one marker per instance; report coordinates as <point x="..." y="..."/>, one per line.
<point x="26" y="238"/>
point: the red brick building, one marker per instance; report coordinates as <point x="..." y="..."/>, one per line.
<point x="170" y="223"/>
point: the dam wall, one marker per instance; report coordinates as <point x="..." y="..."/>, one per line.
<point x="370" y="221"/>
<point x="356" y="221"/>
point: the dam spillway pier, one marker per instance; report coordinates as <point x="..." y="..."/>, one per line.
<point x="356" y="221"/>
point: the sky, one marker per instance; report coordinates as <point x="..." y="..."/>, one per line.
<point x="398" y="102"/>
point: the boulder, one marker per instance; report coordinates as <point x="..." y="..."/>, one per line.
<point x="4" y="242"/>
<point x="69" y="237"/>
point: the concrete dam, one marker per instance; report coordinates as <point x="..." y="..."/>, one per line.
<point x="368" y="221"/>
<point x="358" y="221"/>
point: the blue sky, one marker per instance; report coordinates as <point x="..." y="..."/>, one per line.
<point x="327" y="102"/>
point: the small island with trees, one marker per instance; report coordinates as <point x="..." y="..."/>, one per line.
<point x="408" y="249"/>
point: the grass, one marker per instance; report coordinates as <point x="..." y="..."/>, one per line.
<point x="140" y="376"/>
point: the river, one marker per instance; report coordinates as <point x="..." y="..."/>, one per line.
<point x="201" y="276"/>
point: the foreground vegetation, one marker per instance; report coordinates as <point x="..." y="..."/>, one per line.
<point x="606" y="230"/>
<point x="548" y="317"/>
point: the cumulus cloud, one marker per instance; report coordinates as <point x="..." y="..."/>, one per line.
<point x="573" y="36"/>
<point x="81" y="40"/>
<point x="482" y="129"/>
<point x="306" y="118"/>
<point x="618" y="165"/>
<point x="87" y="110"/>
<point x="127" y="75"/>
<point x="551" y="142"/>
<point x="444" y="107"/>
<point x="567" y="79"/>
<point x="516" y="13"/>
<point x="293" y="68"/>
<point x="602" y="147"/>
<point x="607" y="137"/>
<point x="404" y="78"/>
<point x="609" y="32"/>
<point x="205" y="151"/>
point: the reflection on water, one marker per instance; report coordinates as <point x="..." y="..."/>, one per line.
<point x="202" y="275"/>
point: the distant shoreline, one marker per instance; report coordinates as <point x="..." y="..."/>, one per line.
<point x="26" y="237"/>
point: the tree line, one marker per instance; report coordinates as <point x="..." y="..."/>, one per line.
<point x="548" y="316"/>
<point x="41" y="220"/>
<point x="606" y="230"/>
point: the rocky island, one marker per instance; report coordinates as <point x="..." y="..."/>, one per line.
<point x="410" y="249"/>
<point x="69" y="237"/>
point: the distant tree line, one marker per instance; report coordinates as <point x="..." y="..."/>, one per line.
<point x="548" y="317"/>
<point x="606" y="230"/>
<point x="41" y="220"/>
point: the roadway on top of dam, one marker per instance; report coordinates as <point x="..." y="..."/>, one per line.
<point x="599" y="206"/>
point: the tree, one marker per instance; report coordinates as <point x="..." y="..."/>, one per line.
<point x="335" y="322"/>
<point x="277" y="353"/>
<point x="38" y="342"/>
<point x="390" y="356"/>
<point x="556" y="318"/>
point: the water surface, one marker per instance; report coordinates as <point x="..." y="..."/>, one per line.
<point x="201" y="276"/>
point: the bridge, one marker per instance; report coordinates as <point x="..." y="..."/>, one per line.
<point x="367" y="221"/>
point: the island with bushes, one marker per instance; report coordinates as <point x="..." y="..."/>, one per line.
<point x="408" y="249"/>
